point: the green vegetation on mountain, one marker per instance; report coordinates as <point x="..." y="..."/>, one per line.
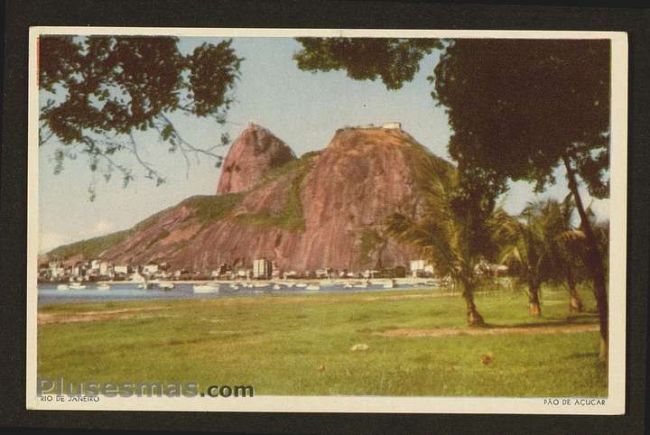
<point x="210" y="208"/>
<point x="291" y="216"/>
<point x="89" y="248"/>
<point x="207" y="208"/>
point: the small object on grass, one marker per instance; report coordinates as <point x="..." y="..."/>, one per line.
<point x="321" y="368"/>
<point x="359" y="347"/>
<point x="487" y="358"/>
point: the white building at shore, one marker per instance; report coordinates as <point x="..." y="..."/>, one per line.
<point x="421" y="268"/>
<point x="262" y="269"/>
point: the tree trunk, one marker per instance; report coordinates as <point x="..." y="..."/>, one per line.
<point x="474" y="318"/>
<point x="593" y="261"/>
<point x="575" y="303"/>
<point x="534" y="309"/>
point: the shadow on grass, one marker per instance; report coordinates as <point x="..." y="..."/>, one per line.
<point x="584" y="356"/>
<point x="583" y="319"/>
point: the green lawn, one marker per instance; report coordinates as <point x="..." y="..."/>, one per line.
<point x="300" y="345"/>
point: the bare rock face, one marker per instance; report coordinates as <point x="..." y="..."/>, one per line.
<point x="362" y="177"/>
<point x="254" y="152"/>
<point x="327" y="209"/>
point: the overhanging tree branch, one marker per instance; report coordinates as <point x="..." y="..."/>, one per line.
<point x="105" y="87"/>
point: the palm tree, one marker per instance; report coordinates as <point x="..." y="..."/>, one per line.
<point x="542" y="244"/>
<point x="570" y="245"/>
<point x="566" y="245"/>
<point x="525" y="249"/>
<point x="443" y="233"/>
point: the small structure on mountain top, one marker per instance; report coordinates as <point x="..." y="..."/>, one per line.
<point x="392" y="125"/>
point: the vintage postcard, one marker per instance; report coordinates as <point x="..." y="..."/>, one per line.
<point x="301" y="220"/>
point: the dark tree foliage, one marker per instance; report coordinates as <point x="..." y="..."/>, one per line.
<point x="520" y="108"/>
<point x="474" y="196"/>
<point x="393" y="60"/>
<point x="517" y="106"/>
<point x="96" y="91"/>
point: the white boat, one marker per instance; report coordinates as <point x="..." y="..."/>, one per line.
<point x="206" y="288"/>
<point x="77" y="286"/>
<point x="260" y="285"/>
<point x="313" y="287"/>
<point x="276" y="287"/>
<point x="103" y="287"/>
<point x="362" y="285"/>
<point x="347" y="285"/>
<point x="166" y="285"/>
<point x="145" y="285"/>
<point x="234" y="286"/>
<point x="389" y="284"/>
<point x="301" y="285"/>
<point x="63" y="287"/>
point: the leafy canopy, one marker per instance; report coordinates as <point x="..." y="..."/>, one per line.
<point x="516" y="107"/>
<point x="96" y="91"/>
<point x="394" y="60"/>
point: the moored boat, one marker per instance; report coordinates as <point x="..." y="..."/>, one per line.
<point x="63" y="287"/>
<point x="166" y="285"/>
<point x="206" y="288"/>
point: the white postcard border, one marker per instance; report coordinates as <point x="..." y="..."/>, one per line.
<point x="614" y="403"/>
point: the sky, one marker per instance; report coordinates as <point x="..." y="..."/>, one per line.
<point x="303" y="109"/>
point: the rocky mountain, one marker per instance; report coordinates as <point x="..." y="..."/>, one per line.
<point x="251" y="155"/>
<point x="325" y="209"/>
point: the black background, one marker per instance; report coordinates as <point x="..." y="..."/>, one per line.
<point x="291" y="14"/>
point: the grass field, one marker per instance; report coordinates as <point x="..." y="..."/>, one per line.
<point x="301" y="344"/>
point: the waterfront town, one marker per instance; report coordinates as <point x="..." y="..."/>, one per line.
<point x="262" y="269"/>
